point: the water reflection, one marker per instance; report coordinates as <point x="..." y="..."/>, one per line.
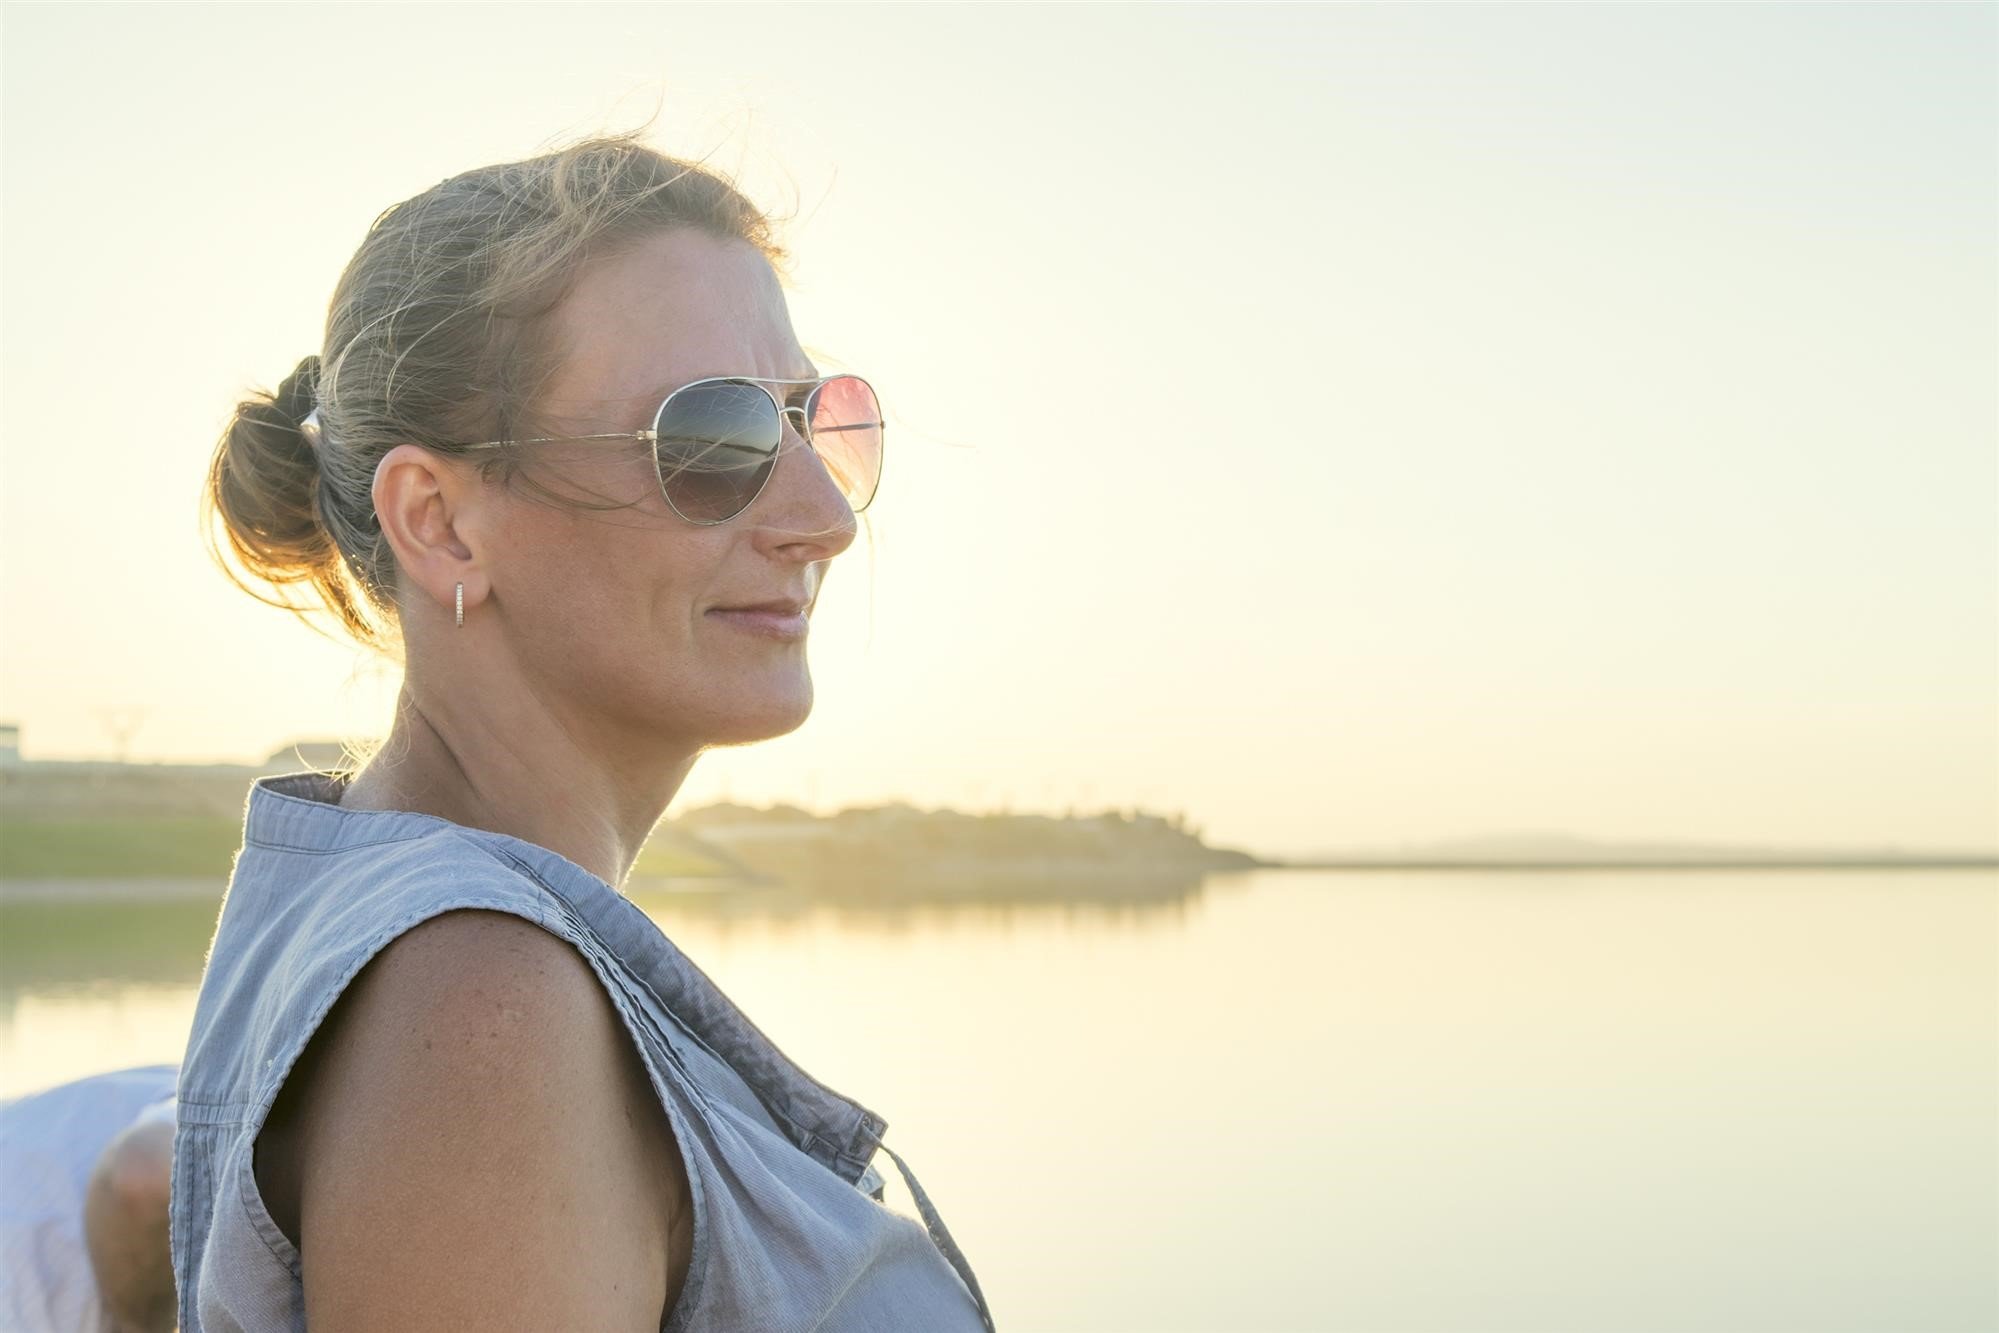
<point x="153" y="937"/>
<point x="1339" y="1101"/>
<point x="143" y="940"/>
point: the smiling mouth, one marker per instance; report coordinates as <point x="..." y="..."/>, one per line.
<point x="782" y="607"/>
<point x="768" y="624"/>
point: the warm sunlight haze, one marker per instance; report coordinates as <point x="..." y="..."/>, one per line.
<point x="1409" y="741"/>
<point x="1397" y="424"/>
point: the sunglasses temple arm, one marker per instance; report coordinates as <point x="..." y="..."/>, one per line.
<point x="645" y="435"/>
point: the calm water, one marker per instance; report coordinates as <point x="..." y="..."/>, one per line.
<point x="1592" y="1101"/>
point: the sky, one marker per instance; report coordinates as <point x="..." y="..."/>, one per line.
<point x="1351" y="426"/>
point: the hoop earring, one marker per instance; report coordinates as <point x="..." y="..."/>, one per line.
<point x="461" y="605"/>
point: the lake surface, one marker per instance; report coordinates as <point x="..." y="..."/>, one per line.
<point x="1747" y="1102"/>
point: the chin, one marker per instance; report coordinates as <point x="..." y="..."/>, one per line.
<point x="762" y="719"/>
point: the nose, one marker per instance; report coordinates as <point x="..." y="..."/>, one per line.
<point x="802" y="499"/>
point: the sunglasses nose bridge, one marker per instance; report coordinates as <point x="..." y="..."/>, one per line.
<point x="797" y="410"/>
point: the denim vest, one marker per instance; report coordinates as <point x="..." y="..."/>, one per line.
<point x="789" y="1228"/>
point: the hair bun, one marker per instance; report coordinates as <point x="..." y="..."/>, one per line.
<point x="297" y="395"/>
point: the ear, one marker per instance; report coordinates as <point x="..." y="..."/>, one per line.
<point x="433" y="514"/>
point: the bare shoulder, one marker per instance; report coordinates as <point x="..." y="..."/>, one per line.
<point x="476" y="1143"/>
<point x="449" y="961"/>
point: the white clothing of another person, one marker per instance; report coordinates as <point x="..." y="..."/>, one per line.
<point x="49" y="1144"/>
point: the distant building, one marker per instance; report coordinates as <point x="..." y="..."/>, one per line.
<point x="62" y="788"/>
<point x="319" y="755"/>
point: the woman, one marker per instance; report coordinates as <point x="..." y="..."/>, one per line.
<point x="562" y="449"/>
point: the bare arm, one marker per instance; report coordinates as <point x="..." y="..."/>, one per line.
<point x="125" y="1228"/>
<point x="480" y="1146"/>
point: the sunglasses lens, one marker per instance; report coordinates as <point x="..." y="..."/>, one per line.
<point x="717" y="445"/>
<point x="847" y="435"/>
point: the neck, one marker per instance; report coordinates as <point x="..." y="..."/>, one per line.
<point x="530" y="779"/>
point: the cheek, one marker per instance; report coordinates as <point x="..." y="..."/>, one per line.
<point x="610" y="590"/>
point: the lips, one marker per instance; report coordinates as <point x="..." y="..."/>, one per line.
<point x="781" y="606"/>
<point x="781" y="620"/>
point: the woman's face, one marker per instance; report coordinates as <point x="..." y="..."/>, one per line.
<point x="610" y="612"/>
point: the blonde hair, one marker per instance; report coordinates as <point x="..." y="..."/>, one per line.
<point x="437" y="335"/>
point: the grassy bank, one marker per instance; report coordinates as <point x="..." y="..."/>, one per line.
<point x="200" y="847"/>
<point x="120" y="847"/>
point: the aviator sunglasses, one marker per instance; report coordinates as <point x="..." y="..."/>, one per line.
<point x="715" y="441"/>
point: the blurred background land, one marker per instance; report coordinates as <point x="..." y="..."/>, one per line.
<point x="104" y="828"/>
<point x="96" y="828"/>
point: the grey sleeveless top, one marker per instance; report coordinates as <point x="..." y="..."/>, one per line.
<point x="789" y="1228"/>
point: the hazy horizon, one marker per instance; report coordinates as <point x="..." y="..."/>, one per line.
<point x="1611" y="389"/>
<point x="1501" y="844"/>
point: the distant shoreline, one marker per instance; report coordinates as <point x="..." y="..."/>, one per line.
<point x="1785" y="863"/>
<point x="179" y="889"/>
<point x="87" y="831"/>
<point x="88" y="889"/>
<point x="172" y="888"/>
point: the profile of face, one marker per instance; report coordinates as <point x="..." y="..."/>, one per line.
<point x="607" y="618"/>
